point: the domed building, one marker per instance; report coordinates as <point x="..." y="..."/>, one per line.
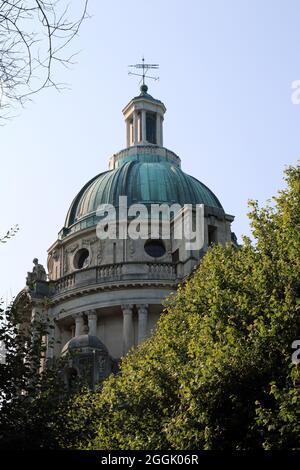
<point x="105" y="292"/>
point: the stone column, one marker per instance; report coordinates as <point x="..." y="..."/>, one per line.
<point x="92" y="319"/>
<point x="144" y="132"/>
<point x="36" y="317"/>
<point x="57" y="339"/>
<point x="128" y="132"/>
<point x="37" y="313"/>
<point x="135" y="128"/>
<point x="158" y="130"/>
<point x="78" y="324"/>
<point x="127" y="327"/>
<point x="143" y="322"/>
<point x="51" y="339"/>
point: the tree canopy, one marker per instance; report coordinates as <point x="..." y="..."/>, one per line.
<point x="218" y="372"/>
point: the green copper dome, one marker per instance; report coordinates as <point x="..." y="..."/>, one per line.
<point x="145" y="178"/>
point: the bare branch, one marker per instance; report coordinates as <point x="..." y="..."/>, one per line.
<point x="9" y="234"/>
<point x="34" y="37"/>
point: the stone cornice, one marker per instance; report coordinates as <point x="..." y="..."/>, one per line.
<point x="141" y="150"/>
<point x="82" y="291"/>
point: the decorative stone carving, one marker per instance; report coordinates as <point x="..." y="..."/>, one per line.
<point x="90" y="244"/>
<point x="69" y="250"/>
<point x="100" y="252"/>
<point x="38" y="273"/>
<point x="55" y="254"/>
<point x="101" y="364"/>
<point x="66" y="264"/>
<point x="126" y="308"/>
<point x="72" y="248"/>
<point x="169" y="250"/>
<point x="50" y="265"/>
<point x="131" y="247"/>
<point x="89" y="241"/>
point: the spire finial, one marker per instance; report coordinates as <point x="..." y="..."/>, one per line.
<point x="144" y="67"/>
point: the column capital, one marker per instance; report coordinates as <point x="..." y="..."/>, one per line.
<point x="92" y="322"/>
<point x="78" y="317"/>
<point x="126" y="308"/>
<point x="143" y="308"/>
<point x="91" y="313"/>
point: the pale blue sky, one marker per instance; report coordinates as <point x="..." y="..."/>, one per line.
<point x="225" y="78"/>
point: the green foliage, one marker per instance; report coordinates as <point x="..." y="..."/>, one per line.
<point x="31" y="399"/>
<point x="217" y="374"/>
<point x="77" y="419"/>
<point x="282" y="423"/>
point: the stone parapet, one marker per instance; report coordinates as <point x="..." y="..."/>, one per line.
<point x="111" y="273"/>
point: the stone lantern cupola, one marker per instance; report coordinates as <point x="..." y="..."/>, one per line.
<point x="144" y="117"/>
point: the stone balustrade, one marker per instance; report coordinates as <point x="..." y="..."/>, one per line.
<point x="130" y="271"/>
<point x="65" y="282"/>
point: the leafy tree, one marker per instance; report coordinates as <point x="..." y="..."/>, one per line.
<point x="31" y="399"/>
<point x="217" y="374"/>
<point x="34" y="399"/>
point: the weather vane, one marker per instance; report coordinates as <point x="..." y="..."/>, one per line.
<point x="144" y="67"/>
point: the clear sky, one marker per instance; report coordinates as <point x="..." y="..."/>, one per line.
<point x="226" y="71"/>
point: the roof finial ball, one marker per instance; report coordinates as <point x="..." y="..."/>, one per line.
<point x="144" y="89"/>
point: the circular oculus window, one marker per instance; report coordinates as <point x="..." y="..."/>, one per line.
<point x="81" y="258"/>
<point x="155" y="248"/>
